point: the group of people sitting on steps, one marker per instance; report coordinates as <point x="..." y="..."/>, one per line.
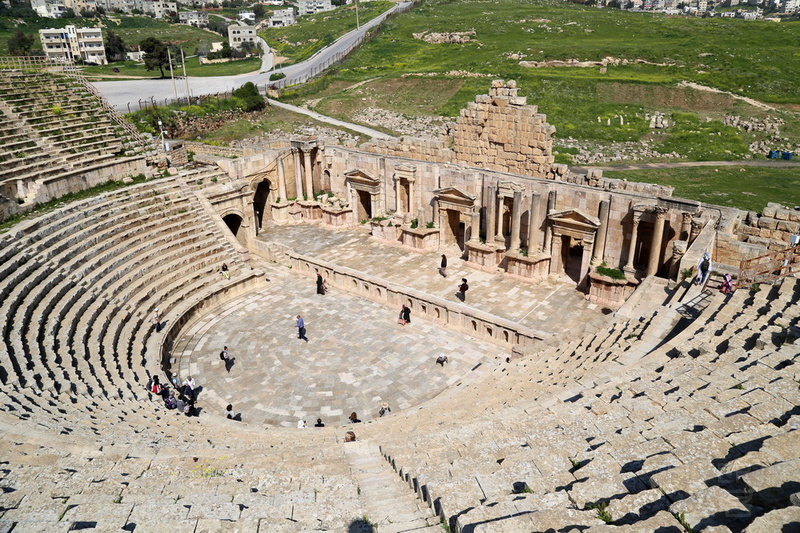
<point x="184" y="399"/>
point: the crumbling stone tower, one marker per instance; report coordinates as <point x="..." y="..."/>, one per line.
<point x="500" y="131"/>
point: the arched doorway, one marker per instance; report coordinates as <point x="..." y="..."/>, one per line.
<point x="261" y="200"/>
<point x="234" y="223"/>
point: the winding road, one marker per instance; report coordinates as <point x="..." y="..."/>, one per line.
<point x="121" y="94"/>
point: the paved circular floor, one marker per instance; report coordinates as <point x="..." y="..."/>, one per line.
<point x="356" y="356"/>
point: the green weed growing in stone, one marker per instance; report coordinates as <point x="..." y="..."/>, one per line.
<point x="738" y="386"/>
<point x="681" y="518"/>
<point x="118" y="499"/>
<point x="429" y="225"/>
<point x="602" y="511"/>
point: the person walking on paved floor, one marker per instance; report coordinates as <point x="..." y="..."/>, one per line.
<point x="443" y="266"/>
<point x="405" y="315"/>
<point x="462" y="290"/>
<point x="320" y="283"/>
<point x="301" y="328"/>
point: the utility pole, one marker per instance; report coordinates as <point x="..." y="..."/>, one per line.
<point x="171" y="75"/>
<point x="186" y="79"/>
<point x="358" y="26"/>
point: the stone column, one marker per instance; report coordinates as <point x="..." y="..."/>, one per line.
<point x="354" y="204"/>
<point x="308" y="172"/>
<point x="548" y="231"/>
<point x="475" y="224"/>
<point x="412" y="206"/>
<point x="602" y="232"/>
<point x="586" y="259"/>
<point x="298" y="176"/>
<point x="398" y="204"/>
<point x="516" y="215"/>
<point x="655" y="246"/>
<point x="555" y="254"/>
<point x="373" y="204"/>
<point x="501" y="208"/>
<point x="686" y="226"/>
<point x="533" y="224"/>
<point x="632" y="245"/>
<point x="491" y="212"/>
<point x="281" y="180"/>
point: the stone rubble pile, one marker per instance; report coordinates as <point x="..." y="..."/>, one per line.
<point x="422" y="126"/>
<point x="594" y="153"/>
<point x="442" y="38"/>
<point x="657" y="121"/>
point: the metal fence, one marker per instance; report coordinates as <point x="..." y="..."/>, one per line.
<point x="769" y="267"/>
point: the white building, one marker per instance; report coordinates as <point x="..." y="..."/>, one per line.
<point x="311" y="7"/>
<point x="193" y="18"/>
<point x="241" y="34"/>
<point x="74" y="44"/>
<point x="248" y="17"/>
<point x="51" y="9"/>
<point x="158" y="8"/>
<point x="790" y="6"/>
<point x="282" y="17"/>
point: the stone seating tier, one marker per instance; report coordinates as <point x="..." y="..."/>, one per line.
<point x="683" y="411"/>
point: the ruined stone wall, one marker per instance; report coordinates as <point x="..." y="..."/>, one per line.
<point x="773" y="228"/>
<point x="412" y="148"/>
<point x="500" y="131"/>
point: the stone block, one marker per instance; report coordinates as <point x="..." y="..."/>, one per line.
<point x="782" y="214"/>
<point x="518" y="100"/>
<point x="713" y="506"/>
<point x="791" y="227"/>
<point x="629" y="508"/>
<point x="767" y="223"/>
<point x="771" y="209"/>
<point x="680" y="482"/>
<point x="662" y="522"/>
<point x="772" y="486"/>
<point x="784" y="520"/>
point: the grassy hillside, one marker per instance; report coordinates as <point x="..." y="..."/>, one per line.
<point x="314" y="32"/>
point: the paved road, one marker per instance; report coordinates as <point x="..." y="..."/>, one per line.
<point x="686" y="164"/>
<point x="122" y="93"/>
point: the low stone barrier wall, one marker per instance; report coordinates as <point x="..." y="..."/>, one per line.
<point x="189" y="311"/>
<point x="452" y="315"/>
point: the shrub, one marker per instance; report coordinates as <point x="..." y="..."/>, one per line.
<point x="253" y="100"/>
<point x="277" y="76"/>
<point x="613" y="273"/>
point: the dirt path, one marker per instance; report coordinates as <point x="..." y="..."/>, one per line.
<point x="754" y="103"/>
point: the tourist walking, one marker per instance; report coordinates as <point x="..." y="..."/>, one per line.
<point x="225" y="272"/>
<point x="462" y="290"/>
<point x="405" y="316"/>
<point x="320" y="283"/>
<point x="301" y="328"/>
<point x="157" y="320"/>
<point x="223" y="355"/>
<point x="443" y="266"/>
<point x="703" y="270"/>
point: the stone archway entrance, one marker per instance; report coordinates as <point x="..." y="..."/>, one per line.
<point x="234" y="223"/>
<point x="365" y="195"/>
<point x="456" y="209"/>
<point x="261" y="203"/>
<point x="573" y="234"/>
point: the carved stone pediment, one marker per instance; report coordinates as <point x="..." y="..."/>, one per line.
<point x="363" y="181"/>
<point x="574" y="218"/>
<point x="508" y="188"/>
<point x="455" y="196"/>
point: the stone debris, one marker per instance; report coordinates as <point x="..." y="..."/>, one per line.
<point x="461" y="37"/>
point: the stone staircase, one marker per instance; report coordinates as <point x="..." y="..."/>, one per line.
<point x="389" y="506"/>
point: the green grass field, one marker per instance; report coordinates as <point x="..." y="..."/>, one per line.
<point x="749" y="58"/>
<point x="193" y="68"/>
<point x="314" y="32"/>
<point x="744" y="187"/>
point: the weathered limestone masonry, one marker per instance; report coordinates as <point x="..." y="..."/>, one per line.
<point x="500" y="131"/>
<point x="500" y="202"/>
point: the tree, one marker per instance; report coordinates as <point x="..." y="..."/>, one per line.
<point x="259" y="11"/>
<point x="20" y="44"/>
<point x="155" y="54"/>
<point x="115" y="47"/>
<point x="250" y="95"/>
<point x="68" y="13"/>
<point x="218" y="25"/>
